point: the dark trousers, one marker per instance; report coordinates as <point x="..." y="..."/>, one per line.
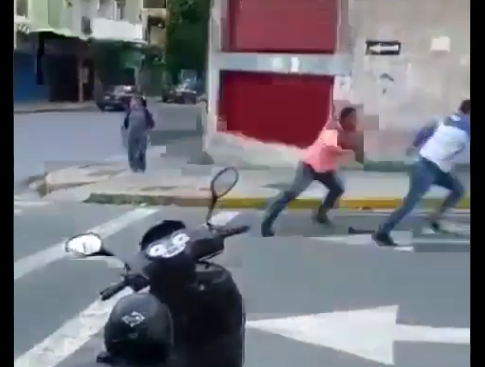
<point x="424" y="174"/>
<point x="304" y="176"/>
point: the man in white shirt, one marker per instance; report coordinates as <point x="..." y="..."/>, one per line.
<point x="440" y="145"/>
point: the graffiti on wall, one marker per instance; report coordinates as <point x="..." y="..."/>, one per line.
<point x="386" y="82"/>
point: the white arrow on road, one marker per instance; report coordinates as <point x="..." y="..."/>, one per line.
<point x="368" y="333"/>
<point x="381" y="48"/>
<point x="404" y="238"/>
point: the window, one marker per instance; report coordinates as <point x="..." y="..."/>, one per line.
<point x="22" y="8"/>
<point x="120" y="9"/>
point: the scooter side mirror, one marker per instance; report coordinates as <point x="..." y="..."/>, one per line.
<point x="221" y="184"/>
<point x="86" y="245"/>
<point x="210" y="209"/>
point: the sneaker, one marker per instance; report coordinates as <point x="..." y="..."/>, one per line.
<point x="383" y="240"/>
<point x="436" y="227"/>
<point x="322" y="218"/>
<point x="446" y="227"/>
<point x="267" y="232"/>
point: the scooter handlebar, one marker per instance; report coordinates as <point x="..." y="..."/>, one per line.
<point x="223" y="232"/>
<point x="113" y="289"/>
<point x="226" y="232"/>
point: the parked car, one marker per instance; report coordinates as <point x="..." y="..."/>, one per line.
<point x="187" y="92"/>
<point x="116" y="97"/>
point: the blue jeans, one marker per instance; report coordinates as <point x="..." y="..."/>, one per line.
<point x="304" y="176"/>
<point x="424" y="174"/>
<point x="137" y="155"/>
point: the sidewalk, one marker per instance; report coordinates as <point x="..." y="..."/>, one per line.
<point x="24" y="108"/>
<point x="174" y="182"/>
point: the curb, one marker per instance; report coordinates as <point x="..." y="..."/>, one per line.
<point x="256" y="202"/>
<point x="54" y="109"/>
<point x="398" y="167"/>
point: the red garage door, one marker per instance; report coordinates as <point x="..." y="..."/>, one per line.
<point x="303" y="26"/>
<point x="290" y="109"/>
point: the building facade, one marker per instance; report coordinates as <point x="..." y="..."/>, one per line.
<point x="65" y="35"/>
<point x="154" y="18"/>
<point x="289" y="60"/>
<point x="26" y="86"/>
<point x="282" y="66"/>
<point x="153" y="77"/>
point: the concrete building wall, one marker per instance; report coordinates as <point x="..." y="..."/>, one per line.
<point x="425" y="81"/>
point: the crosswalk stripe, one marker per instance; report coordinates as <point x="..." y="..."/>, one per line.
<point x="20" y="205"/>
<point x="56" y="252"/>
<point x="408" y="242"/>
<point x="27" y="204"/>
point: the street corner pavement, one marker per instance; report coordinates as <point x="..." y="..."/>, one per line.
<point x="80" y="175"/>
<point x="174" y="181"/>
<point x="87" y="173"/>
<point x="44" y="107"/>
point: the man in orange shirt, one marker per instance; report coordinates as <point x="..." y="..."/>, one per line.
<point x="321" y="163"/>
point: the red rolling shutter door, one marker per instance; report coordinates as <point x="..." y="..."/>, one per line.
<point x="287" y="26"/>
<point x="290" y="109"/>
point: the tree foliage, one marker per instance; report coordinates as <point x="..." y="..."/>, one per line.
<point x="187" y="35"/>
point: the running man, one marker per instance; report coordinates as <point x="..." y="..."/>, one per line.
<point x="321" y="163"/>
<point x="439" y="147"/>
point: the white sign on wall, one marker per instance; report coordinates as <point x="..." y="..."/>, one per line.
<point x="440" y="44"/>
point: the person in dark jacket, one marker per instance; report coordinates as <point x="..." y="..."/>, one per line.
<point x="137" y="124"/>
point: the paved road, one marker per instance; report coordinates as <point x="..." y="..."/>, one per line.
<point x="292" y="274"/>
<point x="47" y="141"/>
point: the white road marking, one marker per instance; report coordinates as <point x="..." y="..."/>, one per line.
<point x="78" y="331"/>
<point x="382" y="212"/>
<point x="368" y="334"/>
<point x="223" y="218"/>
<point x="451" y="228"/>
<point x="56" y="252"/>
<point x="71" y="336"/>
<point x="28" y="204"/>
<point x="405" y="239"/>
<point x="404" y="248"/>
<point x="20" y="205"/>
<point x="441" y="241"/>
<point x="402" y="237"/>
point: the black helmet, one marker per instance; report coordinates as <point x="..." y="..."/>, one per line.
<point x="139" y="330"/>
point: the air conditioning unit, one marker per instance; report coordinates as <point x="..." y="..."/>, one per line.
<point x="86" y="28"/>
